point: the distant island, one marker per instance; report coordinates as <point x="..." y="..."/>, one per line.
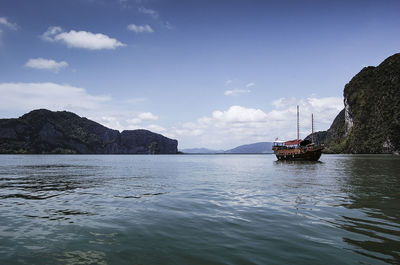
<point x="201" y="150"/>
<point x="370" y="120"/>
<point x="256" y="148"/>
<point x="46" y="132"/>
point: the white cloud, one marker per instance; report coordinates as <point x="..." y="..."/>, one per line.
<point x="147" y="116"/>
<point x="236" y="91"/>
<point x="9" y="25"/>
<point x="4" y="23"/>
<point x="284" y="102"/>
<point x="46" y="64"/>
<point x="134" y="121"/>
<point x="81" y="39"/>
<point x="51" y="32"/>
<point x="151" y="12"/>
<point x="238" y="114"/>
<point x="155" y="15"/>
<point x="240" y="125"/>
<point x="155" y="128"/>
<point x="110" y="122"/>
<point x="29" y="96"/>
<point x="140" y="118"/>
<point x="140" y="28"/>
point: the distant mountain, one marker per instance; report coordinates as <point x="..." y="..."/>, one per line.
<point x="43" y="131"/>
<point x="256" y="148"/>
<point x="201" y="151"/>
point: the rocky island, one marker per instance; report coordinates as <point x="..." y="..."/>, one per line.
<point x="370" y="121"/>
<point x="42" y="131"/>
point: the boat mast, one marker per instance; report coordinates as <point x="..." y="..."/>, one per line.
<point x="312" y="127"/>
<point x="298" y="130"/>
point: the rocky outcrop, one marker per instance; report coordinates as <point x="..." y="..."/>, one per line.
<point x="44" y="131"/>
<point x="370" y="121"/>
<point x="143" y="141"/>
<point x="318" y="137"/>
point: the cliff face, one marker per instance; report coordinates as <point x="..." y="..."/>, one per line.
<point x="370" y="121"/>
<point x="372" y="109"/>
<point x="44" y="131"/>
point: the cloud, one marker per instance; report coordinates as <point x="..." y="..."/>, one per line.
<point x="28" y="96"/>
<point x="81" y="39"/>
<point x="7" y="24"/>
<point x="241" y="125"/>
<point x="46" y="64"/>
<point x="156" y="128"/>
<point x="151" y="12"/>
<point x="236" y="91"/>
<point x="147" y="116"/>
<point x="238" y="114"/>
<point x="134" y="122"/>
<point x="155" y="15"/>
<point x="4" y="23"/>
<point x="140" y="118"/>
<point x="51" y="32"/>
<point x="110" y="122"/>
<point x="125" y="120"/>
<point x="140" y="28"/>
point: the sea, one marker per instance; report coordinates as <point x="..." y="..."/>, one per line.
<point x="199" y="209"/>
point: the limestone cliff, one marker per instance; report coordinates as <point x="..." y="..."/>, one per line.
<point x="370" y="121"/>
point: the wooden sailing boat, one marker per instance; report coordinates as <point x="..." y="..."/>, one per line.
<point x="298" y="149"/>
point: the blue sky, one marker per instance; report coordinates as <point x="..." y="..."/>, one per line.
<point x="211" y="74"/>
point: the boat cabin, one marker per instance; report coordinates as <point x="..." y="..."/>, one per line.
<point x="292" y="144"/>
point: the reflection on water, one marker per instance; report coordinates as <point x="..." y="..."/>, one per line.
<point x="45" y="179"/>
<point x="211" y="209"/>
<point x="373" y="187"/>
<point x="82" y="257"/>
<point x="24" y="184"/>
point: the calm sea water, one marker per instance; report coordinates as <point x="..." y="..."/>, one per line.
<point x="199" y="209"/>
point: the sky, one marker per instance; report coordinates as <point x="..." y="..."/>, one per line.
<point x="214" y="74"/>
